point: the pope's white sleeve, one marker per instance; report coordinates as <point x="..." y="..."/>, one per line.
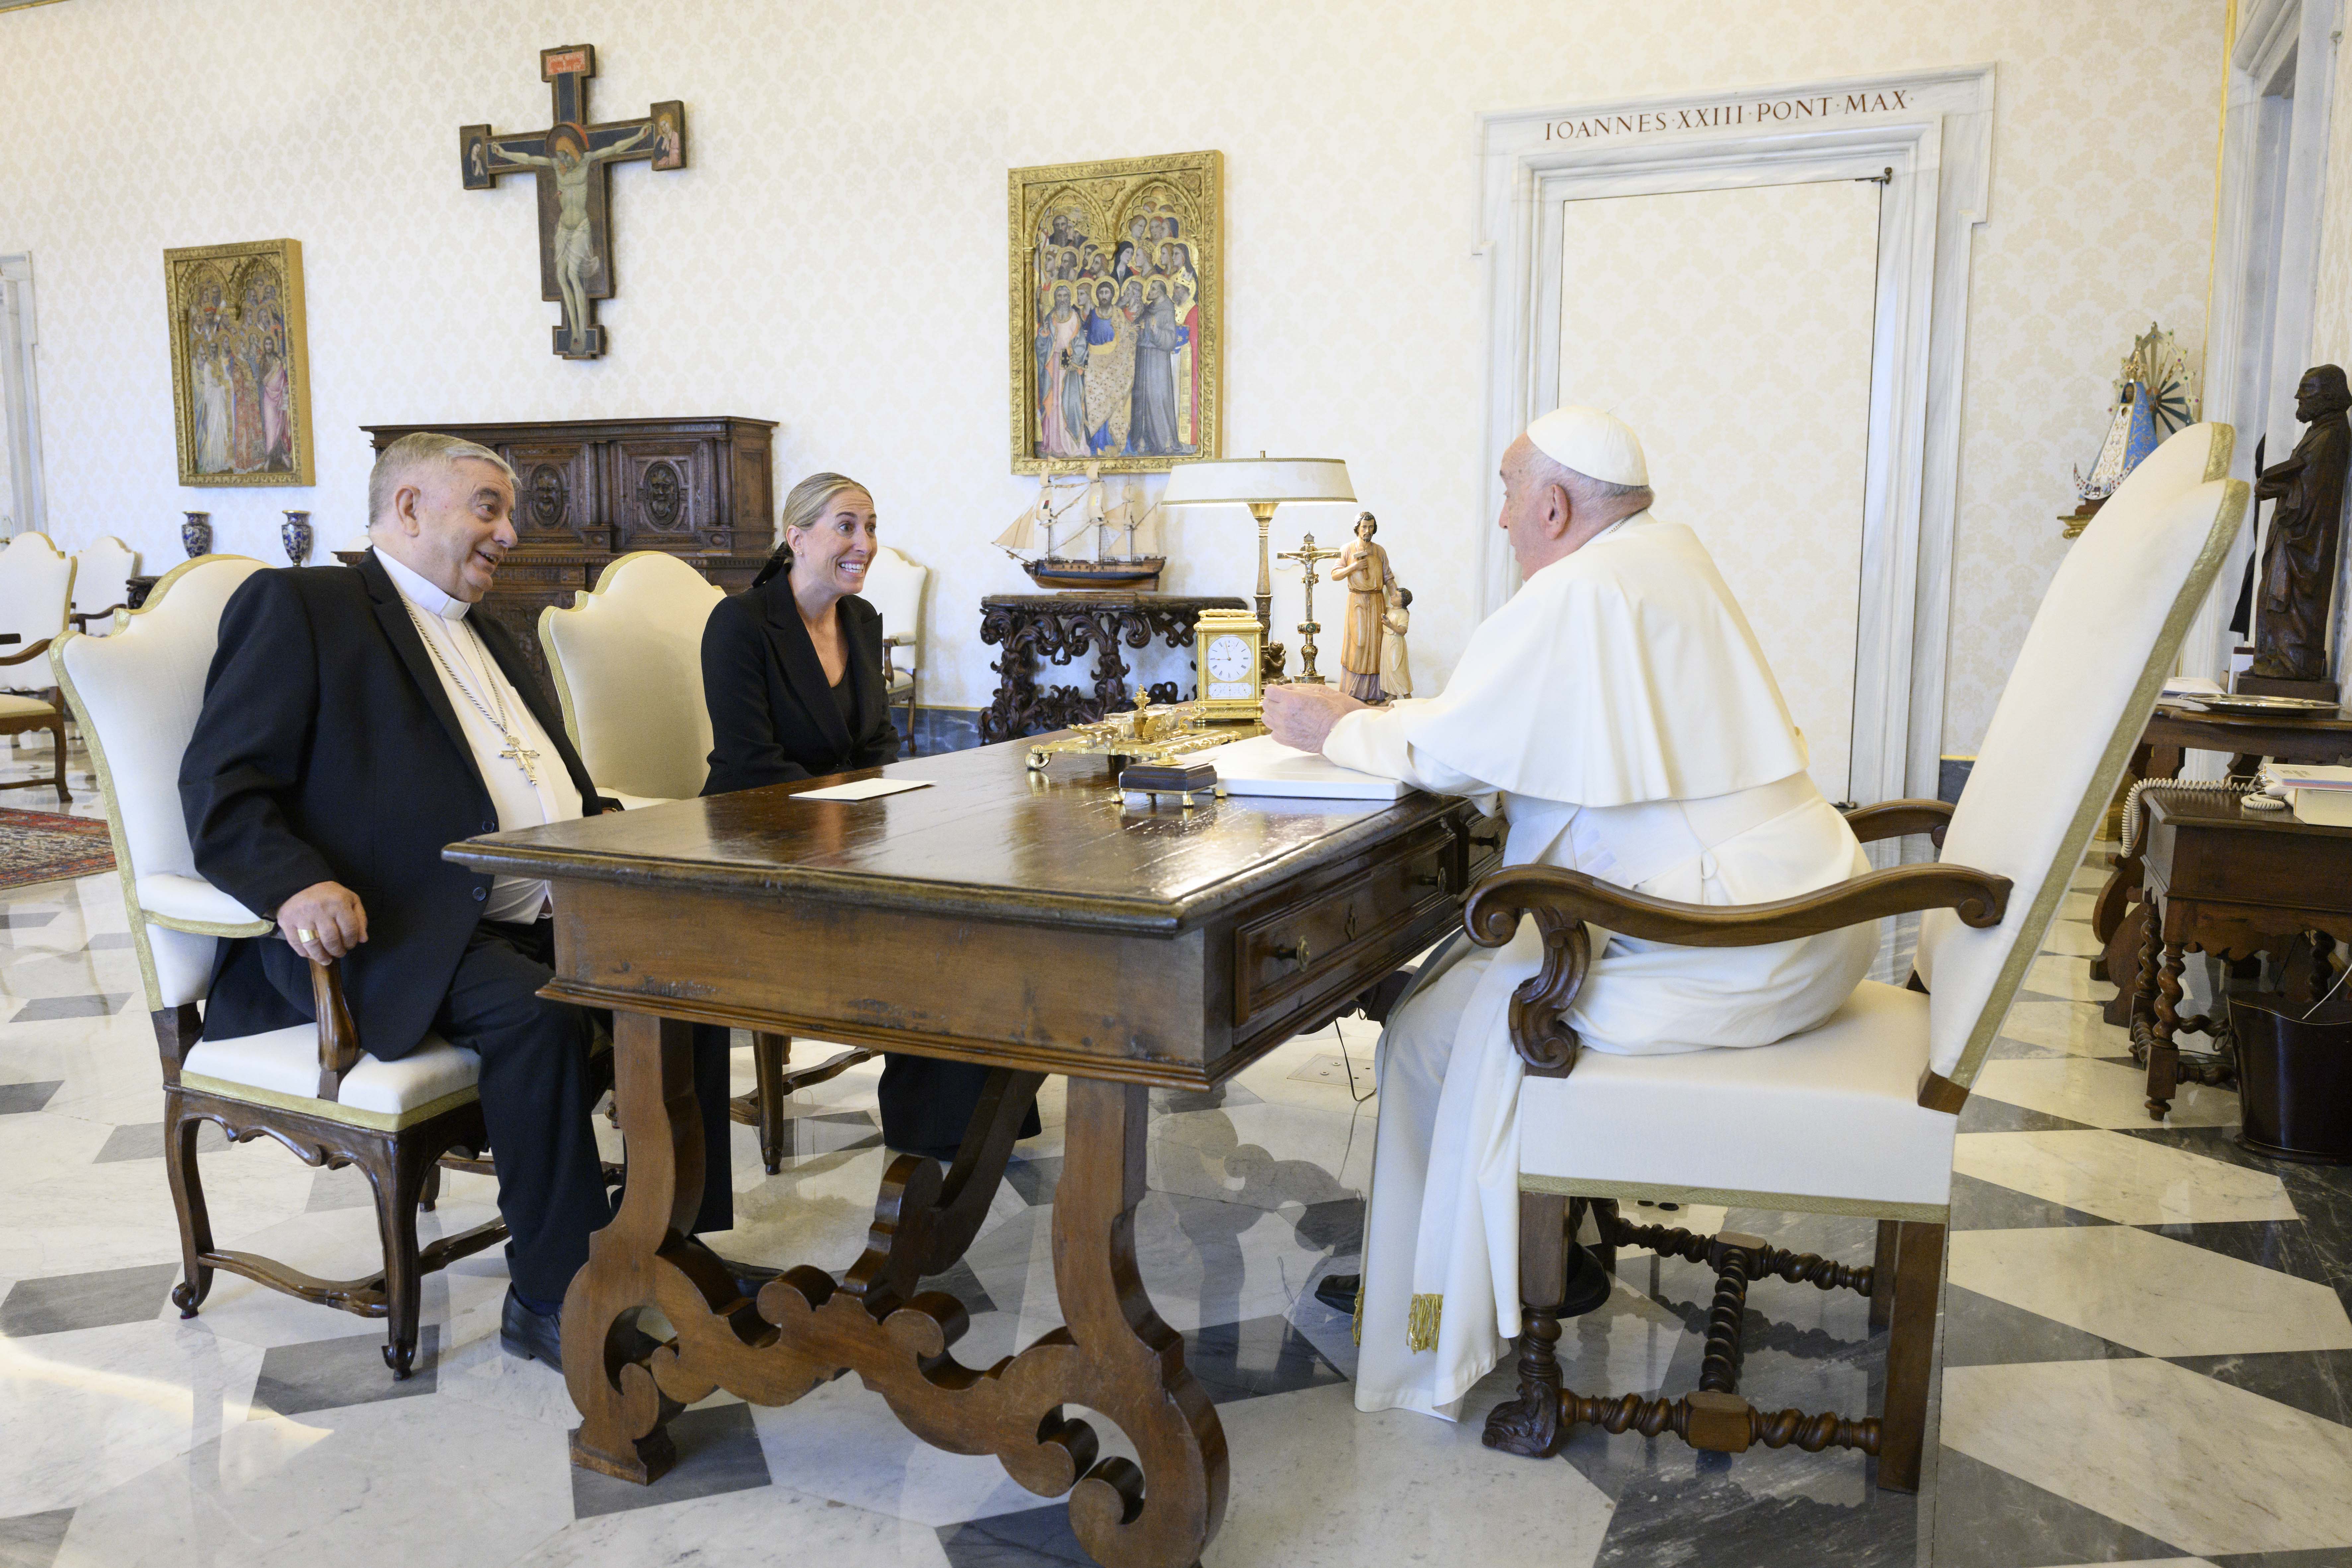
<point x="1373" y="740"/>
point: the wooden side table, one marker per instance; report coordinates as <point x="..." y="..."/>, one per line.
<point x="1037" y="628"/>
<point x="2222" y="880"/>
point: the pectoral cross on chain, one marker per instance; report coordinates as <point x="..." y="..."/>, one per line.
<point x="521" y="756"/>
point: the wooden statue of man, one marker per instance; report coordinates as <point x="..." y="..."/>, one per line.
<point x="2299" y="555"/>
<point x="1364" y="568"/>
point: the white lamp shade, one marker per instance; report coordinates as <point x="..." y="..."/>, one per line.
<point x="1244" y="480"/>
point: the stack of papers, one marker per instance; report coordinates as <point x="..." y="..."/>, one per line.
<point x="1263" y="766"/>
<point x="2319" y="795"/>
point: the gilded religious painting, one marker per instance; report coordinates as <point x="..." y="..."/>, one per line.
<point x="1116" y="313"/>
<point x="240" y="367"/>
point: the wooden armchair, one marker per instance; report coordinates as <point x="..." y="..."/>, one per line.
<point x="136" y="694"/>
<point x="894" y="585"/>
<point x="1856" y="1116"/>
<point x="627" y="661"/>
<point x="22" y="715"/>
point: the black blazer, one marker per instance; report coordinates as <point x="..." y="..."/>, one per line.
<point x="772" y="716"/>
<point x="327" y="751"/>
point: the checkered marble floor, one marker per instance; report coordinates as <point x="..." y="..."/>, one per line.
<point x="2147" y="1357"/>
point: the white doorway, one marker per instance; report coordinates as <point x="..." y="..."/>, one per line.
<point x="1751" y="388"/>
<point x="23" y="506"/>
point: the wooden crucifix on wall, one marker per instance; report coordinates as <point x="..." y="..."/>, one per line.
<point x="572" y="160"/>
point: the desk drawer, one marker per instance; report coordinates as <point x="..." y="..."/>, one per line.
<point x="1326" y="930"/>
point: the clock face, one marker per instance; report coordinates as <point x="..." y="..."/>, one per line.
<point x="1228" y="661"/>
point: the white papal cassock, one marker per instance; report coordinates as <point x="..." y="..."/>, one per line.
<point x="1620" y="708"/>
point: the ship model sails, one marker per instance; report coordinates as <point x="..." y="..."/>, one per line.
<point x="1125" y="532"/>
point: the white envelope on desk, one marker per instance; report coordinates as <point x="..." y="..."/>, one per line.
<point x="1265" y="766"/>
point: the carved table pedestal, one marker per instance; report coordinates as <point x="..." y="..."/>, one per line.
<point x="1037" y="628"/>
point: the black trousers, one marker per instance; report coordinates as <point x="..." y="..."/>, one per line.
<point x="539" y="1085"/>
<point x="925" y="1104"/>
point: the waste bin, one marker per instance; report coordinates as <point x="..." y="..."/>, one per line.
<point x="2295" y="1077"/>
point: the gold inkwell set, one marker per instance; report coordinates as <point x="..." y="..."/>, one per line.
<point x="1144" y="745"/>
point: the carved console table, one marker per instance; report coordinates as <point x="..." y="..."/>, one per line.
<point x="700" y="489"/>
<point x="1037" y="628"/>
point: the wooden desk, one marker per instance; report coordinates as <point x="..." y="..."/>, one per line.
<point x="1028" y="922"/>
<point x="2224" y="881"/>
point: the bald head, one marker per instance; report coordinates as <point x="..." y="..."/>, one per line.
<point x="1550" y="510"/>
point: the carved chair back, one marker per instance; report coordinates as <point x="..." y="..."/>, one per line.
<point x="102" y="573"/>
<point x="627" y="662"/>
<point x="35" y="590"/>
<point x="136" y="694"/>
<point x="2080" y="693"/>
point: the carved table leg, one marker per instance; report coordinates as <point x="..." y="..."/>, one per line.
<point x="2163" y="1055"/>
<point x="620" y="1430"/>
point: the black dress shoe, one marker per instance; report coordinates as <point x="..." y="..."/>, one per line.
<point x="1338" y="1291"/>
<point x="533" y="1336"/>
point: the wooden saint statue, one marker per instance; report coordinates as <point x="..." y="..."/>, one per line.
<point x="2298" y="575"/>
<point x="1396" y="664"/>
<point x="1363" y="566"/>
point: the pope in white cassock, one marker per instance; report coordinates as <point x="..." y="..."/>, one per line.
<point x="1620" y="709"/>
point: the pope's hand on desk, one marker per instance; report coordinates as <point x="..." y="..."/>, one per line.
<point x="323" y="920"/>
<point x="1301" y="716"/>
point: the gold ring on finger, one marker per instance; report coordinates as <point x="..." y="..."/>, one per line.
<point x="304" y="933"/>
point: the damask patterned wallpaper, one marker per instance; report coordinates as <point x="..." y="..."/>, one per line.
<point x="835" y="257"/>
<point x="2331" y="305"/>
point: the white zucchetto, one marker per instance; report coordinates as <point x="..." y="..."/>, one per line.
<point x="1597" y="445"/>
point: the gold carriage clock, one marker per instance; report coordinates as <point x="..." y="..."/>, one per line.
<point x="1227" y="646"/>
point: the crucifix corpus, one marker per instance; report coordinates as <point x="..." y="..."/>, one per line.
<point x="1308" y="557"/>
<point x="573" y="161"/>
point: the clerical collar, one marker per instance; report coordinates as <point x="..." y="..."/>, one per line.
<point x="420" y="593"/>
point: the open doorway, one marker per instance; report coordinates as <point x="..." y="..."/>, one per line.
<point x="23" y="507"/>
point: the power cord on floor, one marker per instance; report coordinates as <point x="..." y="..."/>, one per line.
<point x="1349" y="1062"/>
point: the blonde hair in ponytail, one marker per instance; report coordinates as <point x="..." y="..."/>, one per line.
<point x="804" y="507"/>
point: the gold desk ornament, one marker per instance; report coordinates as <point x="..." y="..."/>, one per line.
<point x="1308" y="555"/>
<point x="1143" y="734"/>
<point x="1229" y="661"/>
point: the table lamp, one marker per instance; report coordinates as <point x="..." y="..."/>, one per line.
<point x="1260" y="483"/>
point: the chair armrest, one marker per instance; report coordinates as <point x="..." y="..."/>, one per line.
<point x="1562" y="901"/>
<point x="24" y="653"/>
<point x="901" y="640"/>
<point x="1894" y="818"/>
<point x="81" y="618"/>
<point x="338" y="1037"/>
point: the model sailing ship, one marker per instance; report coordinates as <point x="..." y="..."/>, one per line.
<point x="1064" y="515"/>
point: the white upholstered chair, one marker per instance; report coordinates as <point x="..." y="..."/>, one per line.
<point x="136" y="694"/>
<point x="1855" y="1116"/>
<point x="894" y="585"/>
<point x="36" y="594"/>
<point x="627" y="661"/>
<point x="101" y="585"/>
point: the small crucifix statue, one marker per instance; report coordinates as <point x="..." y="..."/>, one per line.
<point x="1308" y="557"/>
<point x="572" y="160"/>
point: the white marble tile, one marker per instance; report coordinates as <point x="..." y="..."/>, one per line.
<point x="754" y="1529"/>
<point x="1318" y="1484"/>
<point x="2076" y="906"/>
<point x="2072" y="938"/>
<point x="2158" y="1296"/>
<point x="2100" y="1093"/>
<point x="91" y="1408"/>
<point x="2125" y="1438"/>
<point x="1228" y="1154"/>
<point x="446" y="1480"/>
<point x="2051" y="974"/>
<point x="2128" y="1180"/>
<point x="842" y="1442"/>
<point x="2075" y="1028"/>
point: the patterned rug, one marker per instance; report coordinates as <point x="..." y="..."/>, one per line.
<point x="47" y="847"/>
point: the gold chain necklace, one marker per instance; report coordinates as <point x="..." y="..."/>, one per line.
<point x="522" y="756"/>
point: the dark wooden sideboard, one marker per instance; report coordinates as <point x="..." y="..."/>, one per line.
<point x="702" y="490"/>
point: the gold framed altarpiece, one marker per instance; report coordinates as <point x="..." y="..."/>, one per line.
<point x="241" y="363"/>
<point x="1116" y="313"/>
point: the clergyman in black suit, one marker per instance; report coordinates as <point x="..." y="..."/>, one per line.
<point x="791" y="670"/>
<point x="355" y="723"/>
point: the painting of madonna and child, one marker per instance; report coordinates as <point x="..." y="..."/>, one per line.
<point x="239" y="387"/>
<point x="1116" y="313"/>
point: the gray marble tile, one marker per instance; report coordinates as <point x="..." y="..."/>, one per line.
<point x="327" y="1374"/>
<point x="16" y="1099"/>
<point x="1986" y="1518"/>
<point x="1983" y="1113"/>
<point x="31" y="1540"/>
<point x="965" y="1285"/>
<point x="1987" y="1205"/>
<point x="2319" y="1382"/>
<point x="2282" y="1245"/>
<point x="62" y="1302"/>
<point x="1015" y="1541"/>
<point x="1257" y="1357"/>
<point x="718" y="1451"/>
<point x="144" y="1140"/>
<point x="1709" y="1513"/>
<point x="43" y="1009"/>
<point x="26" y="919"/>
<point x="2325" y="1557"/>
<point x="1981" y="1331"/>
<point x="109" y="942"/>
<point x="1034" y="1179"/>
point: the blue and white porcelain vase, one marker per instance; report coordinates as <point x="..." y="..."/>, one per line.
<point x="196" y="534"/>
<point x="296" y="536"/>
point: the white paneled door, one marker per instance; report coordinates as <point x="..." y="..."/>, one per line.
<point x="1731" y="328"/>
